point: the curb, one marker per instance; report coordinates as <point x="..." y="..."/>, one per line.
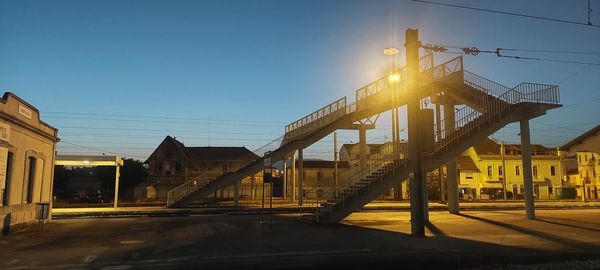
<point x="282" y="210"/>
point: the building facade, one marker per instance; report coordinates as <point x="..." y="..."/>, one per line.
<point x="585" y="151"/>
<point x="484" y="168"/>
<point x="27" y="153"/>
<point x="319" y="178"/>
<point x="172" y="164"/>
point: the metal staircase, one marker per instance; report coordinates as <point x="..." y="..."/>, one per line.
<point x="489" y="109"/>
<point x="371" y="99"/>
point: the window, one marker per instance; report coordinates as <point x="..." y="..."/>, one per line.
<point x="489" y="171"/>
<point x="168" y="168"/>
<point x="550" y="190"/>
<point x="517" y="170"/>
<point x="535" y="171"/>
<point x="469" y="177"/>
<point x="6" y="190"/>
<point x="30" y="179"/>
<point x="552" y="170"/>
<point x="500" y="172"/>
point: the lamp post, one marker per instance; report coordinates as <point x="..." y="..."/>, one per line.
<point x="394" y="78"/>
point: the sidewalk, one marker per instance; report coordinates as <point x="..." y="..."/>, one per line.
<point x="281" y="207"/>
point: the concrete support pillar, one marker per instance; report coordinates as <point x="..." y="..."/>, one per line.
<point x="451" y="174"/>
<point x="293" y="174"/>
<point x="284" y="178"/>
<point x="362" y="148"/>
<point x="236" y="193"/>
<point x="300" y="176"/>
<point x="527" y="171"/>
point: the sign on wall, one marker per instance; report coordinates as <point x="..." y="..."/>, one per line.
<point x="3" y="159"/>
<point x="4" y="132"/>
<point x="24" y="111"/>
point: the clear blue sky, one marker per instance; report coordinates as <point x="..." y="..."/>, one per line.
<point x="253" y="66"/>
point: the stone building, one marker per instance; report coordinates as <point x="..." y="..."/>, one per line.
<point x="27" y="153"/>
<point x="172" y="164"/>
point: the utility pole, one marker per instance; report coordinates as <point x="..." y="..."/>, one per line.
<point x="438" y="124"/>
<point x="502" y="150"/>
<point x="417" y="193"/>
<point x="335" y="163"/>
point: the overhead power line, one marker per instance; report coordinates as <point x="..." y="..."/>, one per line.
<point x="548" y="51"/>
<point x="498" y="52"/>
<point x="507" y="13"/>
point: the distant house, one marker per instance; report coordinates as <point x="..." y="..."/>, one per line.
<point x="585" y="149"/>
<point x="586" y="142"/>
<point x="319" y="178"/>
<point x="172" y="164"/>
<point x="27" y="153"/>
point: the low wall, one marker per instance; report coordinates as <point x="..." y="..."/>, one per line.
<point x="18" y="217"/>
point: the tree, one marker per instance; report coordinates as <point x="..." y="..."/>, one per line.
<point x="133" y="173"/>
<point x="61" y="178"/>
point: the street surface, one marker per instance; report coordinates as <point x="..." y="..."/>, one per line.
<point x="367" y="239"/>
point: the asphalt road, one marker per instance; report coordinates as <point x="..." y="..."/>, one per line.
<point x="365" y="240"/>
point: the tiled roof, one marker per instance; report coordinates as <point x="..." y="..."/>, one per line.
<point x="594" y="131"/>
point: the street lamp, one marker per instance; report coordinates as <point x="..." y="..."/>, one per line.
<point x="394" y="77"/>
<point x="390" y="51"/>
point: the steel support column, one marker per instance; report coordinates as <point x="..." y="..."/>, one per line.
<point x="293" y="174"/>
<point x="300" y="176"/>
<point x="284" y="178"/>
<point x="362" y="148"/>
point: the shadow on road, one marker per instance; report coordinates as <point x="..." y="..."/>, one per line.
<point x="547" y="236"/>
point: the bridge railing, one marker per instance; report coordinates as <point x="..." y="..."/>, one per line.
<point x="485" y="85"/>
<point x="466" y="118"/>
<point x="538" y="93"/>
<point x="450" y="67"/>
<point x="183" y="190"/>
<point x="393" y="78"/>
<point x="317" y="119"/>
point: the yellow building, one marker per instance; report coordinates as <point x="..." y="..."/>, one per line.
<point x="586" y="151"/>
<point x="27" y="153"/>
<point x="588" y="167"/>
<point x="495" y="162"/>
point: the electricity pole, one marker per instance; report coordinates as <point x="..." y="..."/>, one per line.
<point x="503" y="169"/>
<point x="417" y="211"/>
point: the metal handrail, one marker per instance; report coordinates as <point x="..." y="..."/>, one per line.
<point x="183" y="190"/>
<point x="317" y="115"/>
<point x="377" y="164"/>
<point x="467" y="118"/>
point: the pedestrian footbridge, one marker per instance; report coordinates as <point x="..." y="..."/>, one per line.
<point x="479" y="107"/>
